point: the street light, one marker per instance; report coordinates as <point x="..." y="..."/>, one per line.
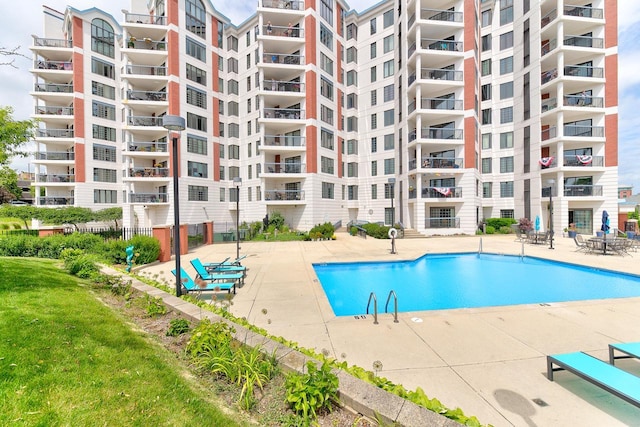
<point x="238" y="182"/>
<point x="175" y="124"/>
<point x="551" y="182"/>
<point x="392" y="184"/>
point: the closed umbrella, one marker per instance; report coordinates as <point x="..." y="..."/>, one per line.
<point x="536" y="226"/>
<point x="605" y="228"/>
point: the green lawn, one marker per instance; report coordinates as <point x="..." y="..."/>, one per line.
<point x="67" y="359"/>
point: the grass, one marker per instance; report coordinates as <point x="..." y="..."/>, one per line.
<point x="67" y="359"/>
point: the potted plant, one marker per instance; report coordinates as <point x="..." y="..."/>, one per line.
<point x="131" y="42"/>
<point x="572" y="230"/>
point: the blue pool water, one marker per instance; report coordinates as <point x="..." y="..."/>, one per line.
<point x="439" y="282"/>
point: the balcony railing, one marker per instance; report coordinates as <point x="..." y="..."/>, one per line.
<point x="584" y="131"/>
<point x="280" y="31"/>
<point x="57" y="201"/>
<point x="436" y="133"/>
<point x="148" y="147"/>
<point x="285" y="167"/>
<point x="284" y="195"/>
<point x="582" y="190"/>
<point x="549" y="104"/>
<point x="583" y="11"/>
<point x="434" y="44"/>
<point x="148" y="198"/>
<point x="283" y="113"/>
<point x="55" y="155"/>
<point x="411" y="50"/>
<point x="440" y="15"/>
<point x="282" y="58"/>
<point x="442" y="222"/>
<point x="54" y="133"/>
<point x="584" y="41"/>
<point x="549" y="133"/>
<point x="283" y="4"/>
<point x="53" y="65"/>
<point x="144" y="121"/>
<point x="147" y="70"/>
<point x="548" y="47"/>
<point x="411" y="20"/>
<point x="46" y="42"/>
<point x="440" y="104"/>
<point x="50" y="87"/>
<point x="142" y="172"/>
<point x="442" y="192"/>
<point x="283" y="86"/>
<point x="583" y="161"/>
<point x="583" y="71"/>
<point x="52" y="110"/>
<point x="441" y="163"/>
<point x="583" y="101"/>
<point x="145" y="19"/>
<point x="284" y="140"/>
<point x="548" y="18"/>
<point x="147" y="44"/>
<point x="549" y="75"/>
<point x="55" y="178"/>
<point x="437" y="74"/>
<point x="144" y="95"/>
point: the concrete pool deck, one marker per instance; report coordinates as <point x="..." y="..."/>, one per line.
<point x="490" y="362"/>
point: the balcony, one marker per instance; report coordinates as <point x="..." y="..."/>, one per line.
<point x="282" y="58"/>
<point x="549" y="133"/>
<point x="146" y="95"/>
<point x="144" y="121"/>
<point x="53" y="88"/>
<point x="53" y="65"/>
<point x="146" y="44"/>
<point x="442" y="192"/>
<point x="148" y="198"/>
<point x="547" y="76"/>
<point x="440" y="15"/>
<point x="46" y="110"/>
<point x="549" y="17"/>
<point x="283" y="141"/>
<point x="440" y="104"/>
<point x="441" y="45"/>
<point x="283" y="113"/>
<point x="548" y="47"/>
<point x="55" y="201"/>
<point x="63" y="156"/>
<point x="583" y="161"/>
<point x="147" y="172"/>
<point x="284" y="195"/>
<point x="145" y="19"/>
<point x="584" y="131"/>
<point x="549" y="104"/>
<point x="442" y="222"/>
<point x="437" y="163"/>
<point x="285" y="168"/>
<point x="583" y="71"/>
<point x="147" y="147"/>
<point x="283" y="4"/>
<point x="146" y="70"/>
<point x="583" y="12"/>
<point x="437" y="74"/>
<point x="65" y="178"/>
<point x="55" y="43"/>
<point x="584" y="41"/>
<point x="282" y="31"/>
<point x="582" y="190"/>
<point x="54" y="133"/>
<point x="283" y="86"/>
<point x="583" y="101"/>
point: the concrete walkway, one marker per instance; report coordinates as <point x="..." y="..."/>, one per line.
<point x="490" y="362"/>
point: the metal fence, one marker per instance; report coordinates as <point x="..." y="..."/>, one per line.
<point x="108" y="233"/>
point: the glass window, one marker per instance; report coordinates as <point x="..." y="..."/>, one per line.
<point x="506" y="90"/>
<point x="506" y="140"/>
<point x="102" y="68"/>
<point x="486" y="116"/>
<point x="373" y="26"/>
<point x="328" y="190"/>
<point x="196" y="97"/>
<point x="103" y="90"/>
<point x="326" y="88"/>
<point x="232" y="43"/>
<point x="374" y="168"/>
<point x="196" y="144"/>
<point x="196" y="74"/>
<point x="195" y="17"/>
<point x="104" y="133"/>
<point x="326" y="64"/>
<point x="197" y="122"/>
<point x="486" y="92"/>
<point x="104" y="153"/>
<point x="373" y="50"/>
<point x="105" y="175"/>
<point x="196" y="50"/>
<point x="374" y="97"/>
<point x="506" y="164"/>
<point x="196" y="169"/>
<point x="387" y="19"/>
<point x="388" y="43"/>
<point x="374" y="144"/>
<point x="104" y="111"/>
<point x="389" y="142"/>
<point x="326" y="139"/>
<point x="326" y="37"/>
<point x="486" y="67"/>
<point x="388" y="68"/>
<point x="486" y="165"/>
<point x="506" y="40"/>
<point x="506" y="115"/>
<point x="506" y="12"/>
<point x="374" y="73"/>
<point x="326" y="165"/>
<point x="487" y="190"/>
<point x="105" y="196"/>
<point x="506" y="189"/>
<point x="102" y="38"/>
<point x="374" y="121"/>
<point x="326" y="10"/>
<point x="486" y="17"/>
<point x="486" y="141"/>
<point x="388" y="117"/>
<point x="506" y="65"/>
<point x="389" y="166"/>
<point x="486" y="42"/>
<point x="198" y="193"/>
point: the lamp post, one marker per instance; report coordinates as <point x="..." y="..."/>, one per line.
<point x="238" y="182"/>
<point x="551" y="182"/>
<point x="392" y="184"/>
<point x="175" y="124"/>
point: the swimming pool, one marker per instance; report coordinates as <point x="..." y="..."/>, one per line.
<point x="467" y="280"/>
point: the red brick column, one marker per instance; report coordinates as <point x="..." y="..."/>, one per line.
<point x="163" y="234"/>
<point x="49" y="231"/>
<point x="208" y="233"/>
<point x="184" y="239"/>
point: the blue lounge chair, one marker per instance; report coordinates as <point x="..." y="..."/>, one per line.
<point x="190" y="286"/>
<point x="218" y="268"/>
<point x="630" y="350"/>
<point x="216" y="277"/>
<point x="616" y="381"/>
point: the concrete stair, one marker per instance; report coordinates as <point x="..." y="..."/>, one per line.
<point x="413" y="234"/>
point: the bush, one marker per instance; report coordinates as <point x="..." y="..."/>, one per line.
<point x="147" y="250"/>
<point x="276" y="220"/>
<point x="525" y="225"/>
<point x="505" y="230"/>
<point x="322" y="231"/>
<point x="376" y="230"/>
<point x="496" y="223"/>
<point x="49" y="246"/>
<point x="312" y="392"/>
<point x="177" y="327"/>
<point x="490" y="229"/>
<point x="353" y="230"/>
<point x="79" y="263"/>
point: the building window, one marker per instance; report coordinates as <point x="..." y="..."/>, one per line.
<point x="232" y="43"/>
<point x="389" y="166"/>
<point x="326" y="10"/>
<point x="195" y="17"/>
<point x="387" y="68"/>
<point x="198" y="193"/>
<point x="374" y="121"/>
<point x="506" y="164"/>
<point x="232" y="65"/>
<point x="352" y="78"/>
<point x="506" y="12"/>
<point x="326" y="114"/>
<point x="352" y="124"/>
<point x="102" y="68"/>
<point x="352" y="55"/>
<point x="374" y="191"/>
<point x="486" y="116"/>
<point x="233" y="108"/>
<point x="326" y="88"/>
<point x="196" y="144"/>
<point x="104" y="111"/>
<point x="374" y="74"/>
<point x="486" y="67"/>
<point x="196" y="50"/>
<point x="486" y="165"/>
<point x="389" y="142"/>
<point x="232" y="87"/>
<point x="373" y="26"/>
<point x="506" y="115"/>
<point x="102" y="38"/>
<point x="105" y="196"/>
<point x="372" y="50"/>
<point x="388" y="43"/>
<point x="352" y="170"/>
<point x="485" y="92"/>
<point x="104" y="153"/>
<point x="328" y="191"/>
<point x="195" y="74"/>
<point x="326" y="139"/>
<point x="326" y="64"/>
<point x="388" y="117"/>
<point x="507" y="213"/>
<point x="486" y="42"/>
<point x="352" y="31"/>
<point x="506" y="140"/>
<point x="198" y="170"/>
<point x="196" y="122"/>
<point x="506" y="90"/>
<point x="326" y="37"/>
<point x="234" y="130"/>
<point x="352" y="146"/>
<point x="374" y="144"/>
<point x="105" y="175"/>
<point x="506" y="40"/>
<point x="506" y="189"/>
<point x="486" y="18"/>
<point x="388" y="93"/>
<point x="103" y="90"/>
<point x="506" y="65"/>
<point x="196" y="97"/>
<point x="374" y="97"/>
<point x="352" y="101"/>
<point x="387" y="19"/>
<point x="374" y="168"/>
<point x="326" y="165"/>
<point x="486" y="141"/>
<point x="103" y="132"/>
<point x="487" y="190"/>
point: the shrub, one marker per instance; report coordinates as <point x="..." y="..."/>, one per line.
<point x="79" y="263"/>
<point x="177" y="327"/>
<point x="312" y="392"/>
<point x="322" y="231"/>
<point x="490" y="229"/>
<point x="505" y="230"/>
<point x="209" y="337"/>
<point x="353" y="230"/>
<point x="525" y="225"/>
<point x="376" y="230"/>
<point x="276" y="220"/>
<point x="147" y="250"/>
<point x="496" y="223"/>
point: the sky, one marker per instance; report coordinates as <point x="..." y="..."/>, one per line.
<point x="24" y="19"/>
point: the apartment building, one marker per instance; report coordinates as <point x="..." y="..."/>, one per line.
<point x="432" y="114"/>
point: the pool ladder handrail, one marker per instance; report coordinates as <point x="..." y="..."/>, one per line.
<point x="375" y="307"/>
<point x="395" y="304"/>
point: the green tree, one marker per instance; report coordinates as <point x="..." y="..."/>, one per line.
<point x="9" y="180"/>
<point x="67" y="215"/>
<point x="25" y="213"/>
<point x="109" y="214"/>
<point x="13" y="134"/>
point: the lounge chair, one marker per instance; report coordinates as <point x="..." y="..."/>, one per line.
<point x="189" y="285"/>
<point x="218" y="278"/>
<point x="223" y="267"/>
<point x="630" y="350"/>
<point x="616" y="381"/>
<point x="581" y="244"/>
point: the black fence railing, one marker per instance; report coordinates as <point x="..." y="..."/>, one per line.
<point x="106" y="233"/>
<point x="19" y="232"/>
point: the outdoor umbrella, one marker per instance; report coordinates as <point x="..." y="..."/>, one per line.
<point x="605" y="228"/>
<point x="536" y="226"/>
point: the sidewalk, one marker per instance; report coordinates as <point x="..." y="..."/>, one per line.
<point x="490" y="362"/>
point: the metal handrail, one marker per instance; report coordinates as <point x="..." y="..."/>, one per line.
<point x="395" y="304"/>
<point x="375" y="307"/>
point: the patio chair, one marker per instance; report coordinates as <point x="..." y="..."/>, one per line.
<point x="614" y="380"/>
<point x="520" y="236"/>
<point x="630" y="350"/>
<point x="581" y="244"/>
<point x="217" y="277"/>
<point x="189" y="285"/>
<point x="224" y="266"/>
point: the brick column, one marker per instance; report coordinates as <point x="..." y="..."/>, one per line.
<point x="184" y="239"/>
<point x="208" y="233"/>
<point x="163" y="234"/>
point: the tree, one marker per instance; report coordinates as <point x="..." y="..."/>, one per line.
<point x="26" y="213"/>
<point x="67" y="215"/>
<point x="9" y="181"/>
<point x="13" y="134"/>
<point x="109" y="214"/>
<point x="10" y="53"/>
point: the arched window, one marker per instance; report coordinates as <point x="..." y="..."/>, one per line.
<point x="102" y="38"/>
<point x="196" y="17"/>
